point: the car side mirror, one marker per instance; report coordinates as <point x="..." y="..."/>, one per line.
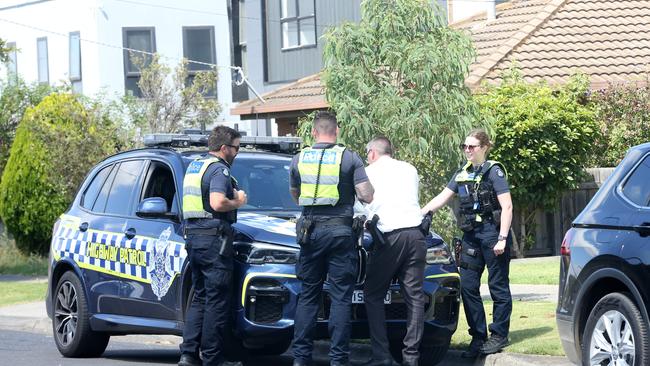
<point x="154" y="207"/>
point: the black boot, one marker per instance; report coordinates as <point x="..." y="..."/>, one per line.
<point x="474" y="349"/>
<point x="494" y="344"/>
<point x="189" y="360"/>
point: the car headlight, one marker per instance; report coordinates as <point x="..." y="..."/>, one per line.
<point x="263" y="253"/>
<point x="438" y="254"/>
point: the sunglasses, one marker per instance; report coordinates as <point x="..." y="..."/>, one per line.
<point x="236" y="147"/>
<point x="468" y="147"/>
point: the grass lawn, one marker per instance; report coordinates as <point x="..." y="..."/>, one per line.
<point x="17" y="292"/>
<point x="542" y="271"/>
<point x="532" y="329"/>
<point x="14" y="262"/>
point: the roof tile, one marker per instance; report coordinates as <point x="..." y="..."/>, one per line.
<point x="548" y="40"/>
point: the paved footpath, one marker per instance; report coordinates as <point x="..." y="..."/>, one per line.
<point x="32" y="317"/>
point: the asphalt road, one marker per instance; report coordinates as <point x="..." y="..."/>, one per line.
<point x="31" y="349"/>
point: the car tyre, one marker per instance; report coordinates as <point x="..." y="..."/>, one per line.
<point x="429" y="355"/>
<point x="616" y="330"/>
<point x="70" y="321"/>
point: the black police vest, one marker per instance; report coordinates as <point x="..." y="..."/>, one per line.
<point x="477" y="198"/>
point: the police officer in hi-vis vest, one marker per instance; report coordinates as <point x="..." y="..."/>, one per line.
<point x="324" y="180"/>
<point x="210" y="202"/>
<point x="485" y="217"/>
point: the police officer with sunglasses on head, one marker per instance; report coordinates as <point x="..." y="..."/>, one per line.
<point x="485" y="217"/>
<point x="324" y="180"/>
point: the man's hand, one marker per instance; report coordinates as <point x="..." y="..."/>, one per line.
<point x="500" y="247"/>
<point x="241" y="198"/>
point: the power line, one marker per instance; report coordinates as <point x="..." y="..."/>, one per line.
<point x="238" y="69"/>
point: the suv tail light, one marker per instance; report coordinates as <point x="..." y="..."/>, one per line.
<point x="565" y="249"/>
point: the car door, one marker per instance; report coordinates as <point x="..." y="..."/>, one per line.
<point x="635" y="189"/>
<point x="161" y="239"/>
<point x="102" y="222"/>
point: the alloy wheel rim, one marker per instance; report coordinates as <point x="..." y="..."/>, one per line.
<point x="66" y="313"/>
<point x="612" y="341"/>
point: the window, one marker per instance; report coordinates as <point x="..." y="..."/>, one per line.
<point x="91" y="194"/>
<point x="160" y="183"/>
<point x="74" y="48"/>
<point x="636" y="187"/>
<point x="12" y="66"/>
<point x="119" y="197"/>
<point x="242" y="37"/>
<point x="198" y="45"/>
<point x="298" y="23"/>
<point x="265" y="182"/>
<point x="240" y="57"/>
<point x="141" y="39"/>
<point x="43" y="69"/>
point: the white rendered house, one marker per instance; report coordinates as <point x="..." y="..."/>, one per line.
<point x="83" y="41"/>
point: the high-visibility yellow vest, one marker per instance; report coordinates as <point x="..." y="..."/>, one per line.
<point x="465" y="175"/>
<point x="192" y="197"/>
<point x="319" y="176"/>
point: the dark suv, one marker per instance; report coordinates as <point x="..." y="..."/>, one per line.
<point x="118" y="258"/>
<point x="604" y="297"/>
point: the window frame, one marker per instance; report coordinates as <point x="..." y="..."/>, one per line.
<point x="131" y="206"/>
<point x="128" y="74"/>
<point x="110" y="179"/>
<point x="297" y="18"/>
<point x="145" y="179"/>
<point x="38" y="61"/>
<point x="625" y="180"/>
<point x="82" y="199"/>
<point x="192" y="73"/>
<point x="72" y="77"/>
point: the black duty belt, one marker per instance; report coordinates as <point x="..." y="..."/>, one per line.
<point x="203" y="231"/>
<point x="396" y="231"/>
<point x="332" y="221"/>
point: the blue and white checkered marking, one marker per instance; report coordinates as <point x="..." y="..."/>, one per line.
<point x="71" y="243"/>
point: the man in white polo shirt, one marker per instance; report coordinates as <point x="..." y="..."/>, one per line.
<point x="402" y="255"/>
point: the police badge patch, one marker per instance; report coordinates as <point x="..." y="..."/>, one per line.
<point x="500" y="173"/>
<point x="159" y="266"/>
<point x="226" y="172"/>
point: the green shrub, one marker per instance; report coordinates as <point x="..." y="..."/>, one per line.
<point x="543" y="135"/>
<point x="623" y="112"/>
<point x="15" y="98"/>
<point x="56" y="144"/>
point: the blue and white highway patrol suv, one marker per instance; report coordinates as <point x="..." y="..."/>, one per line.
<point x="118" y="263"/>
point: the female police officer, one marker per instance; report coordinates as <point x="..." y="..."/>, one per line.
<point x="485" y="217"/>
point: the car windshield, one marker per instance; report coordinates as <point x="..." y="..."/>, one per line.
<point x="266" y="182"/>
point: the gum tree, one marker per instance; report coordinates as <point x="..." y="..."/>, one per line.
<point x="400" y="73"/>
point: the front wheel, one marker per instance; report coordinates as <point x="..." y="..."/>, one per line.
<point x="616" y="334"/>
<point x="71" y="323"/>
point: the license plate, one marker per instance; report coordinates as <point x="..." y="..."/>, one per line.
<point x="357" y="297"/>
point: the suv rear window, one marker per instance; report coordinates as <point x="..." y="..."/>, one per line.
<point x="637" y="187"/>
<point x="92" y="192"/>
<point x="119" y="197"/>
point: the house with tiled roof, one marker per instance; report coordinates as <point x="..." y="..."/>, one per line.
<point x="548" y="39"/>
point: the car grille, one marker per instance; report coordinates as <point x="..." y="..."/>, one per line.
<point x="265" y="300"/>
<point x="266" y="311"/>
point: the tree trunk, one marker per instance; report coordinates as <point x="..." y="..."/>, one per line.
<point x="519" y="245"/>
